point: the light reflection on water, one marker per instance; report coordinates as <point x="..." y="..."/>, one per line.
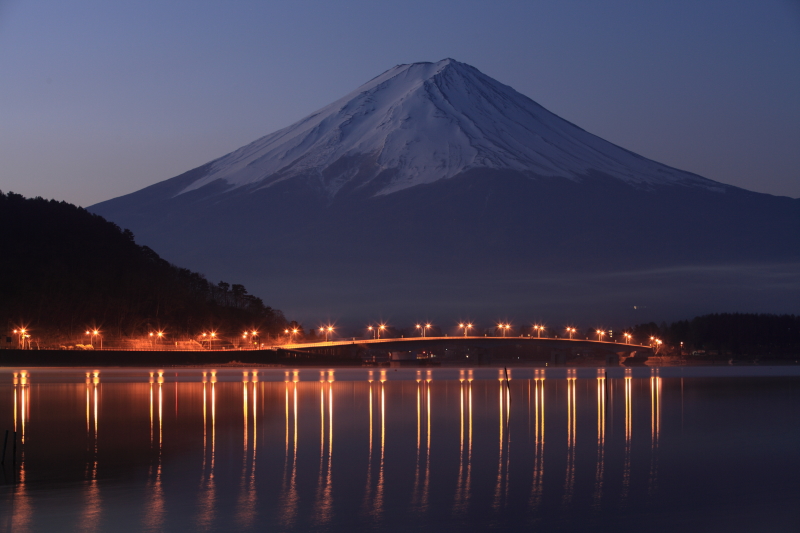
<point x="212" y="450"/>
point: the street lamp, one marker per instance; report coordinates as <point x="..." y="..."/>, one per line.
<point x="423" y="328"/>
<point x="327" y="330"/>
<point x="504" y="328"/>
<point x="95" y="333"/>
<point x="22" y="333"/>
<point x="465" y="327"/>
<point x="158" y="335"/>
<point x="210" y="338"/>
<point x="571" y="332"/>
<point x="600" y="334"/>
<point x="376" y="330"/>
<point x="538" y="331"/>
<point x="627" y="338"/>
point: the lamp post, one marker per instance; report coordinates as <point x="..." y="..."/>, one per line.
<point x="600" y="334"/>
<point x="538" y="331"/>
<point x="627" y="338"/>
<point x="376" y="330"/>
<point x="465" y="327"/>
<point x="571" y="332"/>
<point x="504" y="328"/>
<point x="210" y="338"/>
<point x="423" y="328"/>
<point x="92" y="334"/>
<point x="327" y="330"/>
<point x="22" y="335"/>
<point x="155" y="337"/>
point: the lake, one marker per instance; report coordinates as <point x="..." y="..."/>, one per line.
<point x="408" y="449"/>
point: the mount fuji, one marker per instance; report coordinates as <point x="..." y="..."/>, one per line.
<point x="435" y="191"/>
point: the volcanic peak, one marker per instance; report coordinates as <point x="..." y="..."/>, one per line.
<point x="422" y="122"/>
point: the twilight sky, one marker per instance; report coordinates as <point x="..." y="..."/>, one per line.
<point x="99" y="99"/>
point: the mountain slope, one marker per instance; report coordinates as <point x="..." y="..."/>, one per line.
<point x="433" y="186"/>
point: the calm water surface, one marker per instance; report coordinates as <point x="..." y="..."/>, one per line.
<point x="554" y="449"/>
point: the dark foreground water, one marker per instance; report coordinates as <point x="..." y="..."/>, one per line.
<point x="675" y="449"/>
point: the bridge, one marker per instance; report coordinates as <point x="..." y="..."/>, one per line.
<point x="557" y="346"/>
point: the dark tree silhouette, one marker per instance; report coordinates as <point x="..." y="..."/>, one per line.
<point x="63" y="269"/>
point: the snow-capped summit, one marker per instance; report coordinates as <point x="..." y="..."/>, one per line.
<point x="423" y="122"/>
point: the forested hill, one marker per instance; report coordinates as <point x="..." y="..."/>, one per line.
<point x="739" y="335"/>
<point x="64" y="269"/>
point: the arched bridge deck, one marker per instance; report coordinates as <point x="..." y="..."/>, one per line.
<point x="417" y="343"/>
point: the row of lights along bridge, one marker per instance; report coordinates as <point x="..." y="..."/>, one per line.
<point x="504" y="328"/>
<point x="376" y="331"/>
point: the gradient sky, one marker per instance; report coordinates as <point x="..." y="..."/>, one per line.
<point x="99" y="99"/>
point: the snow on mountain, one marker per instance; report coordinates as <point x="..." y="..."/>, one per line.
<point x="423" y="122"/>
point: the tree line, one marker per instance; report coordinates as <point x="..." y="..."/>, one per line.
<point x="734" y="334"/>
<point x="64" y="269"/>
